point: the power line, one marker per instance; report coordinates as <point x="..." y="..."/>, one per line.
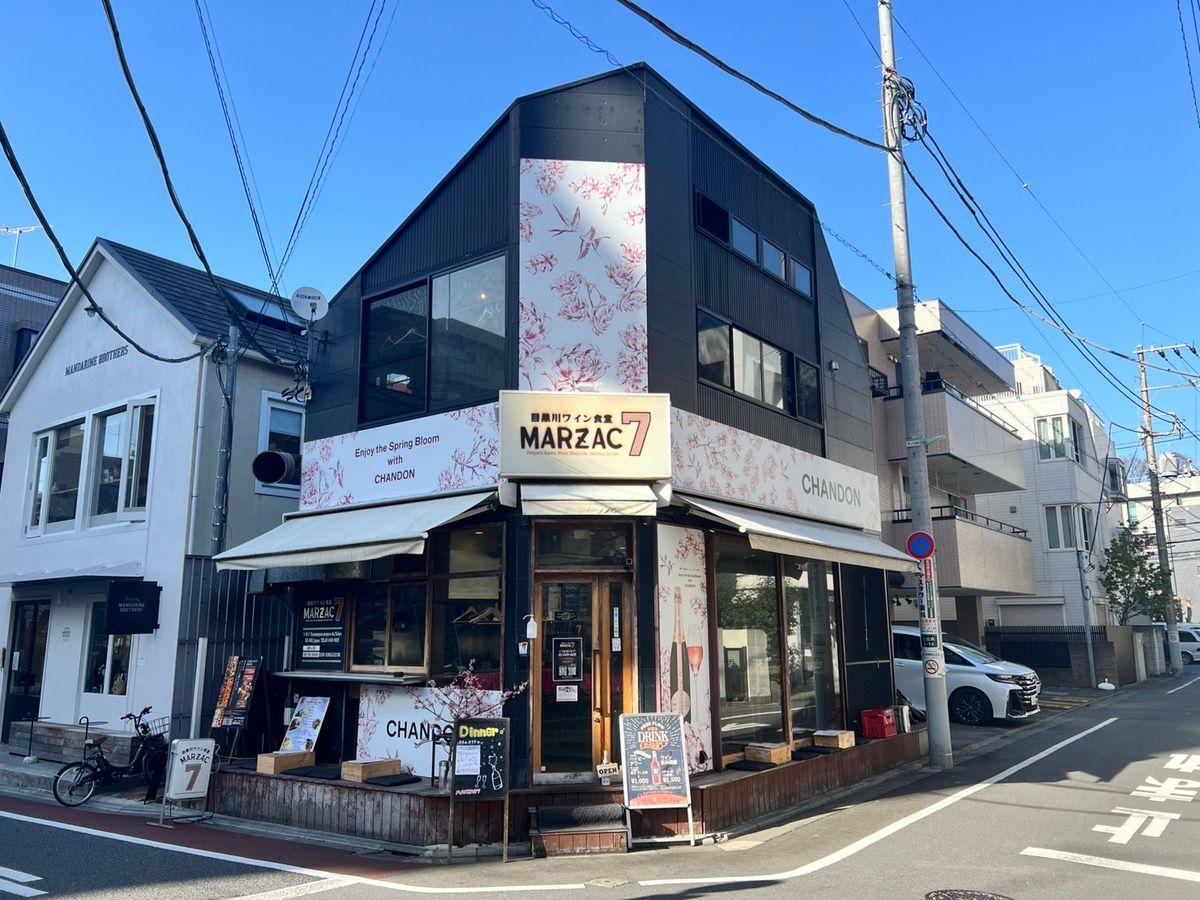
<point x="1187" y="55"/>
<point x="741" y="76"/>
<point x="93" y="306"/>
<point x="166" y="174"/>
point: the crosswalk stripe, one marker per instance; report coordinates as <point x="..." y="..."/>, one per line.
<point x="14" y="875"/>
<point x="21" y="890"/>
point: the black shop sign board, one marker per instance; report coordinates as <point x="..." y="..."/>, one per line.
<point x="568" y="656"/>
<point x="480" y="759"/>
<point x="131" y="607"/>
<point x="323" y="633"/>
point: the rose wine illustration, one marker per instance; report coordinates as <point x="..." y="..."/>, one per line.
<point x="681" y="670"/>
<point x="695" y="649"/>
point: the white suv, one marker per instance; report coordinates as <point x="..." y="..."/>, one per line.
<point x="1189" y="642"/>
<point x="980" y="687"/>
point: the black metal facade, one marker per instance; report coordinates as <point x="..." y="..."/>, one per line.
<point x="633" y="116"/>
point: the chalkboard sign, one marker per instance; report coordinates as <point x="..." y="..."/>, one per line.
<point x="132" y="607"/>
<point x="654" y="767"/>
<point x="568" y="653"/>
<point x="323" y="633"/>
<point x="480" y="759"/>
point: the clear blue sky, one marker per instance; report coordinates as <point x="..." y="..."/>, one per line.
<point x="1089" y="101"/>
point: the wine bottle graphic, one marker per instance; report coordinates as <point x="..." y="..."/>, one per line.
<point x="655" y="769"/>
<point x="681" y="673"/>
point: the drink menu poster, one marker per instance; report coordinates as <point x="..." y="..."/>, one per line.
<point x="654" y="764"/>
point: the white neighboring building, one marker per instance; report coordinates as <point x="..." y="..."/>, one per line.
<point x="112" y="458"/>
<point x="1181" y="516"/>
<point x="1074" y="482"/>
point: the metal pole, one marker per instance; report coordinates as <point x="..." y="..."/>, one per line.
<point x="220" y="512"/>
<point x="1160" y="537"/>
<point x="198" y="686"/>
<point x="1086" y="599"/>
<point x="937" y="712"/>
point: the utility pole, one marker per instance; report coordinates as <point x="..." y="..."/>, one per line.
<point x="220" y="515"/>
<point x="933" y="658"/>
<point x="1160" y="535"/>
<point x="1085" y="595"/>
<point x="18" y="230"/>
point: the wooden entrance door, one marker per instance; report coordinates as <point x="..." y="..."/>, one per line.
<point x="583" y="678"/>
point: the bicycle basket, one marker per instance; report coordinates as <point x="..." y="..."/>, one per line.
<point x="158" y="727"/>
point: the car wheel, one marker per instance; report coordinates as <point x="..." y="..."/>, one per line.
<point x="1187" y="658"/>
<point x="970" y="706"/>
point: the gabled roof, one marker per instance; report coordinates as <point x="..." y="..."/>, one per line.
<point x="187" y="293"/>
<point x="31" y="286"/>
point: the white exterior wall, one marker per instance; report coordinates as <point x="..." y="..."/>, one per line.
<point x="151" y="548"/>
<point x="1181" y="514"/>
<point x="1047" y="482"/>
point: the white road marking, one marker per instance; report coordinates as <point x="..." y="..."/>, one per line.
<point x="1156" y="823"/>
<point x="888" y="830"/>
<point x="1182" y="686"/>
<point x="299" y="890"/>
<point x="9" y="879"/>
<point x="284" y="867"/>
<point x="1119" y="864"/>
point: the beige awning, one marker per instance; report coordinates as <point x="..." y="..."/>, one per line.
<point x="777" y="533"/>
<point x="588" y="499"/>
<point x="350" y="535"/>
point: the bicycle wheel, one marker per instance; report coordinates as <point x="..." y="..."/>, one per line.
<point x="74" y="784"/>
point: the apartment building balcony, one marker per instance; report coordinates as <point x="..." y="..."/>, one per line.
<point x="947" y="344"/>
<point x="975" y="554"/>
<point x="971" y="450"/>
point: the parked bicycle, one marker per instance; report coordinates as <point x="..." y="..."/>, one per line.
<point x="76" y="782"/>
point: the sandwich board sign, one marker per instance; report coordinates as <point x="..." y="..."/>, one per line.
<point x="654" y="766"/>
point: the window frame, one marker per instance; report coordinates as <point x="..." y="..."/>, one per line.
<point x="796" y="363"/>
<point x="110" y="647"/>
<point x="93" y="451"/>
<point x="1053" y="440"/>
<point x="788" y="368"/>
<point x="782" y="273"/>
<point x="18" y="356"/>
<point x="427" y="280"/>
<point x="82" y="490"/>
<point x="274" y="400"/>
<point x="1064" y="513"/>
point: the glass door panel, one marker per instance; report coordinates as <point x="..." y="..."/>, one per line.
<point x="567" y="689"/>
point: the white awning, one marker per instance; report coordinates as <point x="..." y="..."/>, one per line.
<point x="588" y="499"/>
<point x="778" y="533"/>
<point x="349" y="535"/>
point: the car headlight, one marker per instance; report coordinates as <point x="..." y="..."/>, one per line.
<point x="1007" y="679"/>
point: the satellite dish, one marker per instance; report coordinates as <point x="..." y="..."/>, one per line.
<point x="309" y="304"/>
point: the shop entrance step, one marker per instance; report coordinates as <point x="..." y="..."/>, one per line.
<point x="577" y="830"/>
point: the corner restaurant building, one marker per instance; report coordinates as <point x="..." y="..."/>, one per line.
<point x="602" y="380"/>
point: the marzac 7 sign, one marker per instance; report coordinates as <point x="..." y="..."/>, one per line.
<point x="547" y="434"/>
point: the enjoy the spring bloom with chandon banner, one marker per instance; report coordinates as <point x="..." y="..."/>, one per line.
<point x="582" y="275"/>
<point x="448" y="452"/>
<point x="683" y="646"/>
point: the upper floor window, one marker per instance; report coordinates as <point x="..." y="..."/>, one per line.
<point x="281" y="428"/>
<point x="773" y="260"/>
<point x="1078" y="445"/>
<point x="22" y="345"/>
<point x="713" y="218"/>
<point x="1052" y="438"/>
<point x="1060" y="527"/>
<point x="121" y="447"/>
<point x="435" y="345"/>
<point x="744" y="240"/>
<point x="800" y="277"/>
<point x="734" y="359"/>
<point x="1089" y="526"/>
<point x="57" y="470"/>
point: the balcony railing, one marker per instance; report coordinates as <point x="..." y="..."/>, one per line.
<point x="940" y="385"/>
<point x="957" y="512"/>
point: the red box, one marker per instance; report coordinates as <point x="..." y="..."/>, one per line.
<point x="878" y="723"/>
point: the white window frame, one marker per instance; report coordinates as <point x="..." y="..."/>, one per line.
<point x="1078" y="451"/>
<point x="1050" y="442"/>
<point x="275" y="400"/>
<point x="82" y="492"/>
<point x="1085" y="528"/>
<point x="1062" y="511"/>
<point x="108" y="659"/>
<point x="123" y="513"/>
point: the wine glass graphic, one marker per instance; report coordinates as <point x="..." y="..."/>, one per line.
<point x="695" y="648"/>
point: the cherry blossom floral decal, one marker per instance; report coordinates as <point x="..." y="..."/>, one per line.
<point x="582" y="227"/>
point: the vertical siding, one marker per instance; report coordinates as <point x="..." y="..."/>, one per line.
<point x="218" y="605"/>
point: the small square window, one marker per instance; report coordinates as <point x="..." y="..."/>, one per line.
<point x="712" y="217"/>
<point x="745" y="240"/>
<point x="714" y="351"/>
<point x="800" y="277"/>
<point x="773" y="260"/>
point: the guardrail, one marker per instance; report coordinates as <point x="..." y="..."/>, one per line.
<point x="957" y="512"/>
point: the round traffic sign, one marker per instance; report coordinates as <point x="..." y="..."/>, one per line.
<point x="931" y="667"/>
<point x="920" y="544"/>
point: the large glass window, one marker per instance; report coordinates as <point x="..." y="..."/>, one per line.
<point x="576" y="546"/>
<point x="715" y="362"/>
<point x="808" y="391"/>
<point x="750" y="676"/>
<point x="123" y="441"/>
<point x="65" y="468"/>
<point x="370" y="627"/>
<point x="394" y="344"/>
<point x="467" y="357"/>
<point x="406" y="628"/>
<point x="107" y="665"/>
<point x="808" y="597"/>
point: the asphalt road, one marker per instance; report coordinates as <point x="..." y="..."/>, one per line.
<point x="1098" y="803"/>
